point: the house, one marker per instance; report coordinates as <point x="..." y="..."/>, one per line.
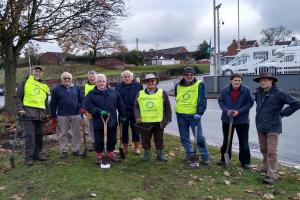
<point x="232" y="49"/>
<point x="52" y="58"/>
<point x="170" y="56"/>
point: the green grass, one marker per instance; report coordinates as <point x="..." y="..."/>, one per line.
<point x="80" y="70"/>
<point x="78" y="178"/>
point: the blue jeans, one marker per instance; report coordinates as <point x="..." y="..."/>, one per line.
<point x="186" y="121"/>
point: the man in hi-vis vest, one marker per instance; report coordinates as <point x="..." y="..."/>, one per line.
<point x="89" y="86"/>
<point x="152" y="110"/>
<point x="31" y="102"/>
<point x="190" y="106"/>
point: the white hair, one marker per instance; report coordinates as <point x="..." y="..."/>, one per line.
<point x="127" y="72"/>
<point x="92" y="73"/>
<point x="100" y="76"/>
<point x="64" y="74"/>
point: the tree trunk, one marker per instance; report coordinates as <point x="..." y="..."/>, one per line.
<point x="10" y="84"/>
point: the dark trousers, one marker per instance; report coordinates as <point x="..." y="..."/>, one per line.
<point x="33" y="138"/>
<point x="243" y="134"/>
<point x="157" y="133"/>
<point x="129" y="122"/>
<point x="111" y="139"/>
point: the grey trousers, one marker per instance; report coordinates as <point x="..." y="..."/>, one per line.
<point x="91" y="127"/>
<point x="33" y="138"/>
<point x="69" y="125"/>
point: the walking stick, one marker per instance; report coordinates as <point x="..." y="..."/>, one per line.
<point x="105" y="161"/>
<point x="195" y="160"/>
<point x="12" y="158"/>
<point x="121" y="149"/>
<point x="84" y="154"/>
<point x="226" y="154"/>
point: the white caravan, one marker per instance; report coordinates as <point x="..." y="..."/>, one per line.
<point x="247" y="60"/>
<point x="287" y="61"/>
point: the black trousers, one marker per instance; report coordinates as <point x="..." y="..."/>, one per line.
<point x="130" y="121"/>
<point x="243" y="136"/>
<point x="33" y="138"/>
<point x="111" y="139"/>
<point x="157" y="133"/>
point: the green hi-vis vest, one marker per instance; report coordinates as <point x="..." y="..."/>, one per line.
<point x="151" y="106"/>
<point x="186" y="99"/>
<point x="35" y="93"/>
<point x="88" y="88"/>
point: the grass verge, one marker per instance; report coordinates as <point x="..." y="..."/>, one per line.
<point x="78" y="178"/>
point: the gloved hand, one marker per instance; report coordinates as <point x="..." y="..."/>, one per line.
<point x="21" y="113"/>
<point x="197" y="117"/>
<point x="103" y="113"/>
<point x="138" y="120"/>
<point x="82" y="111"/>
<point x="123" y="119"/>
<point x="53" y="123"/>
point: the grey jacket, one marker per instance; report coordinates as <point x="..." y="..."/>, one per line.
<point x="167" y="111"/>
<point x="31" y="113"/>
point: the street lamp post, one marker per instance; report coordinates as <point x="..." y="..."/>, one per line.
<point x="218" y="33"/>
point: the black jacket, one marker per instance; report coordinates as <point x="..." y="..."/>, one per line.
<point x="129" y="92"/>
<point x="108" y="100"/>
<point x="269" y="110"/>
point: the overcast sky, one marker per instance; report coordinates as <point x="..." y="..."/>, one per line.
<point x="171" y="23"/>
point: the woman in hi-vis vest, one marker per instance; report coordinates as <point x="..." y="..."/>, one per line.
<point x="152" y="112"/>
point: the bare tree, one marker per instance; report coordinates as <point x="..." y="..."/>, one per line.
<point x="44" y="20"/>
<point x="275" y="34"/>
<point x="92" y="37"/>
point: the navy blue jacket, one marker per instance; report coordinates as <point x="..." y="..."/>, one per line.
<point x="243" y="104"/>
<point x="270" y="110"/>
<point x="128" y="93"/>
<point x="107" y="100"/>
<point x="66" y="101"/>
<point x="202" y="100"/>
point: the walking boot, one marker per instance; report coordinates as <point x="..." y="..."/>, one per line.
<point x="125" y="148"/>
<point x="136" y="147"/>
<point x="146" y="156"/>
<point x="98" y="158"/>
<point x="112" y="156"/>
<point x="160" y="156"/>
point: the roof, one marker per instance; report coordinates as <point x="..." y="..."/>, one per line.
<point x="173" y="50"/>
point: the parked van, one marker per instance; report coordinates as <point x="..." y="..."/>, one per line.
<point x="287" y="61"/>
<point x="247" y="60"/>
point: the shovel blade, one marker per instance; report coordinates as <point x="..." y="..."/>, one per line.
<point x="105" y="162"/>
<point x="12" y="162"/>
<point x="195" y="161"/>
<point x="227" y="159"/>
<point x="122" y="154"/>
<point x="105" y="166"/>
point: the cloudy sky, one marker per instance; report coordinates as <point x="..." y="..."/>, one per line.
<point x="170" y="23"/>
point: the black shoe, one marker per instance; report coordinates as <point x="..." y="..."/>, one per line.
<point x="29" y="163"/>
<point x="63" y="155"/>
<point x="77" y="153"/>
<point x="269" y="180"/>
<point x="246" y="166"/>
<point x="40" y="158"/>
<point x="205" y="161"/>
<point x="221" y="163"/>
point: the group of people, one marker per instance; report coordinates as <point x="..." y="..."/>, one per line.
<point x="147" y="111"/>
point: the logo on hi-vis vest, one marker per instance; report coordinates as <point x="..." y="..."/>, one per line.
<point x="149" y="104"/>
<point x="186" y="96"/>
<point x="36" y="90"/>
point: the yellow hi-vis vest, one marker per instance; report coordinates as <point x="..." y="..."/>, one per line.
<point x="151" y="106"/>
<point x="35" y="93"/>
<point x="88" y="88"/>
<point x="186" y="98"/>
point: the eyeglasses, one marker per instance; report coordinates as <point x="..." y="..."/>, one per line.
<point x="65" y="78"/>
<point x="189" y="75"/>
<point x="151" y="80"/>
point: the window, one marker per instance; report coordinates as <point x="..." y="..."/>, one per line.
<point x="289" y="58"/>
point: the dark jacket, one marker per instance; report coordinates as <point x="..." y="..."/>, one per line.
<point x="66" y="101"/>
<point x="202" y="101"/>
<point x="128" y="93"/>
<point x="167" y="112"/>
<point x="31" y="113"/>
<point x="243" y="104"/>
<point x="107" y="100"/>
<point x="269" y="110"/>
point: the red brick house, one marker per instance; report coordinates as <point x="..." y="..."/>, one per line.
<point x="232" y="49"/>
<point x="52" y="58"/>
